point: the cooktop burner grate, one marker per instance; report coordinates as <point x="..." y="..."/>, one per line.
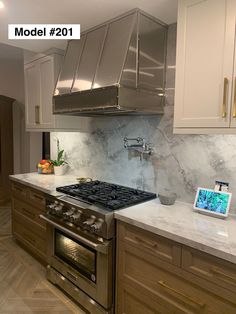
<point x="109" y="196"/>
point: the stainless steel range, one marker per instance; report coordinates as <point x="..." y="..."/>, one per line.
<point x="81" y="245"/>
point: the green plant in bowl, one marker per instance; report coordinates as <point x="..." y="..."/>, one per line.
<point x="60" y="161"/>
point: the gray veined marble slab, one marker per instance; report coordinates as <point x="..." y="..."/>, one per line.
<point x="43" y="182"/>
<point x="180" y="223"/>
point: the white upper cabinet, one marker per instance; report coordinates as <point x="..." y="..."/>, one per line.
<point x="40" y="79"/>
<point x="205" y="66"/>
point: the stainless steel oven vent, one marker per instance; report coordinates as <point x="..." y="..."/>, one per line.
<point x="116" y="68"/>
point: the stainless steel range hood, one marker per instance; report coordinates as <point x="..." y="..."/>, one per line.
<point x="115" y="68"/>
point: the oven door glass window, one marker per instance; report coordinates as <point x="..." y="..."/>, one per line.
<point x="76" y="254"/>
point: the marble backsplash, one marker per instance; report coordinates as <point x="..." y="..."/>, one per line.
<point x="180" y="163"/>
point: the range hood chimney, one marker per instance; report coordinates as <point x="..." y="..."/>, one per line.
<point x="117" y="68"/>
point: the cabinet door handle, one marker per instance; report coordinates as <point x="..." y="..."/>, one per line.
<point x="234" y="104"/>
<point x="146" y="244"/>
<point x="224" y="276"/>
<point x="184" y="296"/>
<point x="37" y="119"/>
<point x="225" y="93"/>
<point x="38" y="197"/>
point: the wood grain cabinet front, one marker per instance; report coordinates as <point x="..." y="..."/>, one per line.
<point x="27" y="227"/>
<point x="210" y="268"/>
<point x="146" y="242"/>
<point x="146" y="283"/>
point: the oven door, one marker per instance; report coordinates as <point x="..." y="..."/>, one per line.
<point x="85" y="262"/>
<point x="73" y="252"/>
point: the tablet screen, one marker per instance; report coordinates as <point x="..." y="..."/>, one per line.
<point x="217" y="202"/>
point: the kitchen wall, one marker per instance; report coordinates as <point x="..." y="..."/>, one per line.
<point x="180" y="163"/>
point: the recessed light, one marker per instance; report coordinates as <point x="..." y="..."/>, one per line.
<point x="1" y="5"/>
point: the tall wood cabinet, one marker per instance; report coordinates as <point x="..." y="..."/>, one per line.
<point x="40" y="79"/>
<point x="6" y="147"/>
<point x="205" y="96"/>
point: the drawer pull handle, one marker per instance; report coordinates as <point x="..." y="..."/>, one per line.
<point x="28" y="213"/>
<point x="184" y="296"/>
<point x="147" y="244"/>
<point x="225" y="276"/>
<point x="225" y="93"/>
<point x="37" y="115"/>
<point x="234" y="104"/>
<point x="16" y="188"/>
<point x="40" y="198"/>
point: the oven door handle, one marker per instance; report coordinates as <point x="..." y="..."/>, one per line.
<point x="101" y="248"/>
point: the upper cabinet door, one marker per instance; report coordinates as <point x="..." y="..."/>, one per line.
<point x="47" y="85"/>
<point x="204" y="67"/>
<point x="233" y="110"/>
<point x="32" y="95"/>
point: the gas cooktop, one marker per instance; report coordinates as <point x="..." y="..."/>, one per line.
<point x="109" y="196"/>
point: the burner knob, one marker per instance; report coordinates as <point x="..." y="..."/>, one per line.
<point x="89" y="221"/>
<point x="76" y="215"/>
<point x="58" y="209"/>
<point x="51" y="207"/>
<point x="68" y="214"/>
<point x="97" y="225"/>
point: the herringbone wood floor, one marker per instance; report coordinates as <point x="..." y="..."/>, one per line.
<point x="23" y="286"/>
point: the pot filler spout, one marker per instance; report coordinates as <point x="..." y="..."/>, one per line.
<point x="116" y="68"/>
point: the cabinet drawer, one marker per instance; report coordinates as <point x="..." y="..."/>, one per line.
<point x="28" y="211"/>
<point x="209" y="267"/>
<point x="28" y="195"/>
<point x="138" y="301"/>
<point x="34" y="228"/>
<point x="175" y="292"/>
<point x="146" y="242"/>
<point x="37" y="199"/>
<point x="20" y="191"/>
<point x="22" y="232"/>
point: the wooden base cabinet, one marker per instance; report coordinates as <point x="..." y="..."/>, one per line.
<point x="27" y="227"/>
<point x="150" y="284"/>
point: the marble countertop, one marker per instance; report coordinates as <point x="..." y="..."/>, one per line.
<point x="43" y="182"/>
<point x="177" y="222"/>
<point x="180" y="223"/>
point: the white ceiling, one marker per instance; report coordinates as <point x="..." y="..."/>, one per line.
<point x="87" y="13"/>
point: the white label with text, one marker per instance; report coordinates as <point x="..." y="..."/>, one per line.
<point x="44" y="31"/>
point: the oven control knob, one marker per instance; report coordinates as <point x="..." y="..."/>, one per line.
<point x="89" y="221"/>
<point x="97" y="225"/>
<point x="68" y="214"/>
<point x="51" y="207"/>
<point x="76" y="215"/>
<point x="58" y="209"/>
